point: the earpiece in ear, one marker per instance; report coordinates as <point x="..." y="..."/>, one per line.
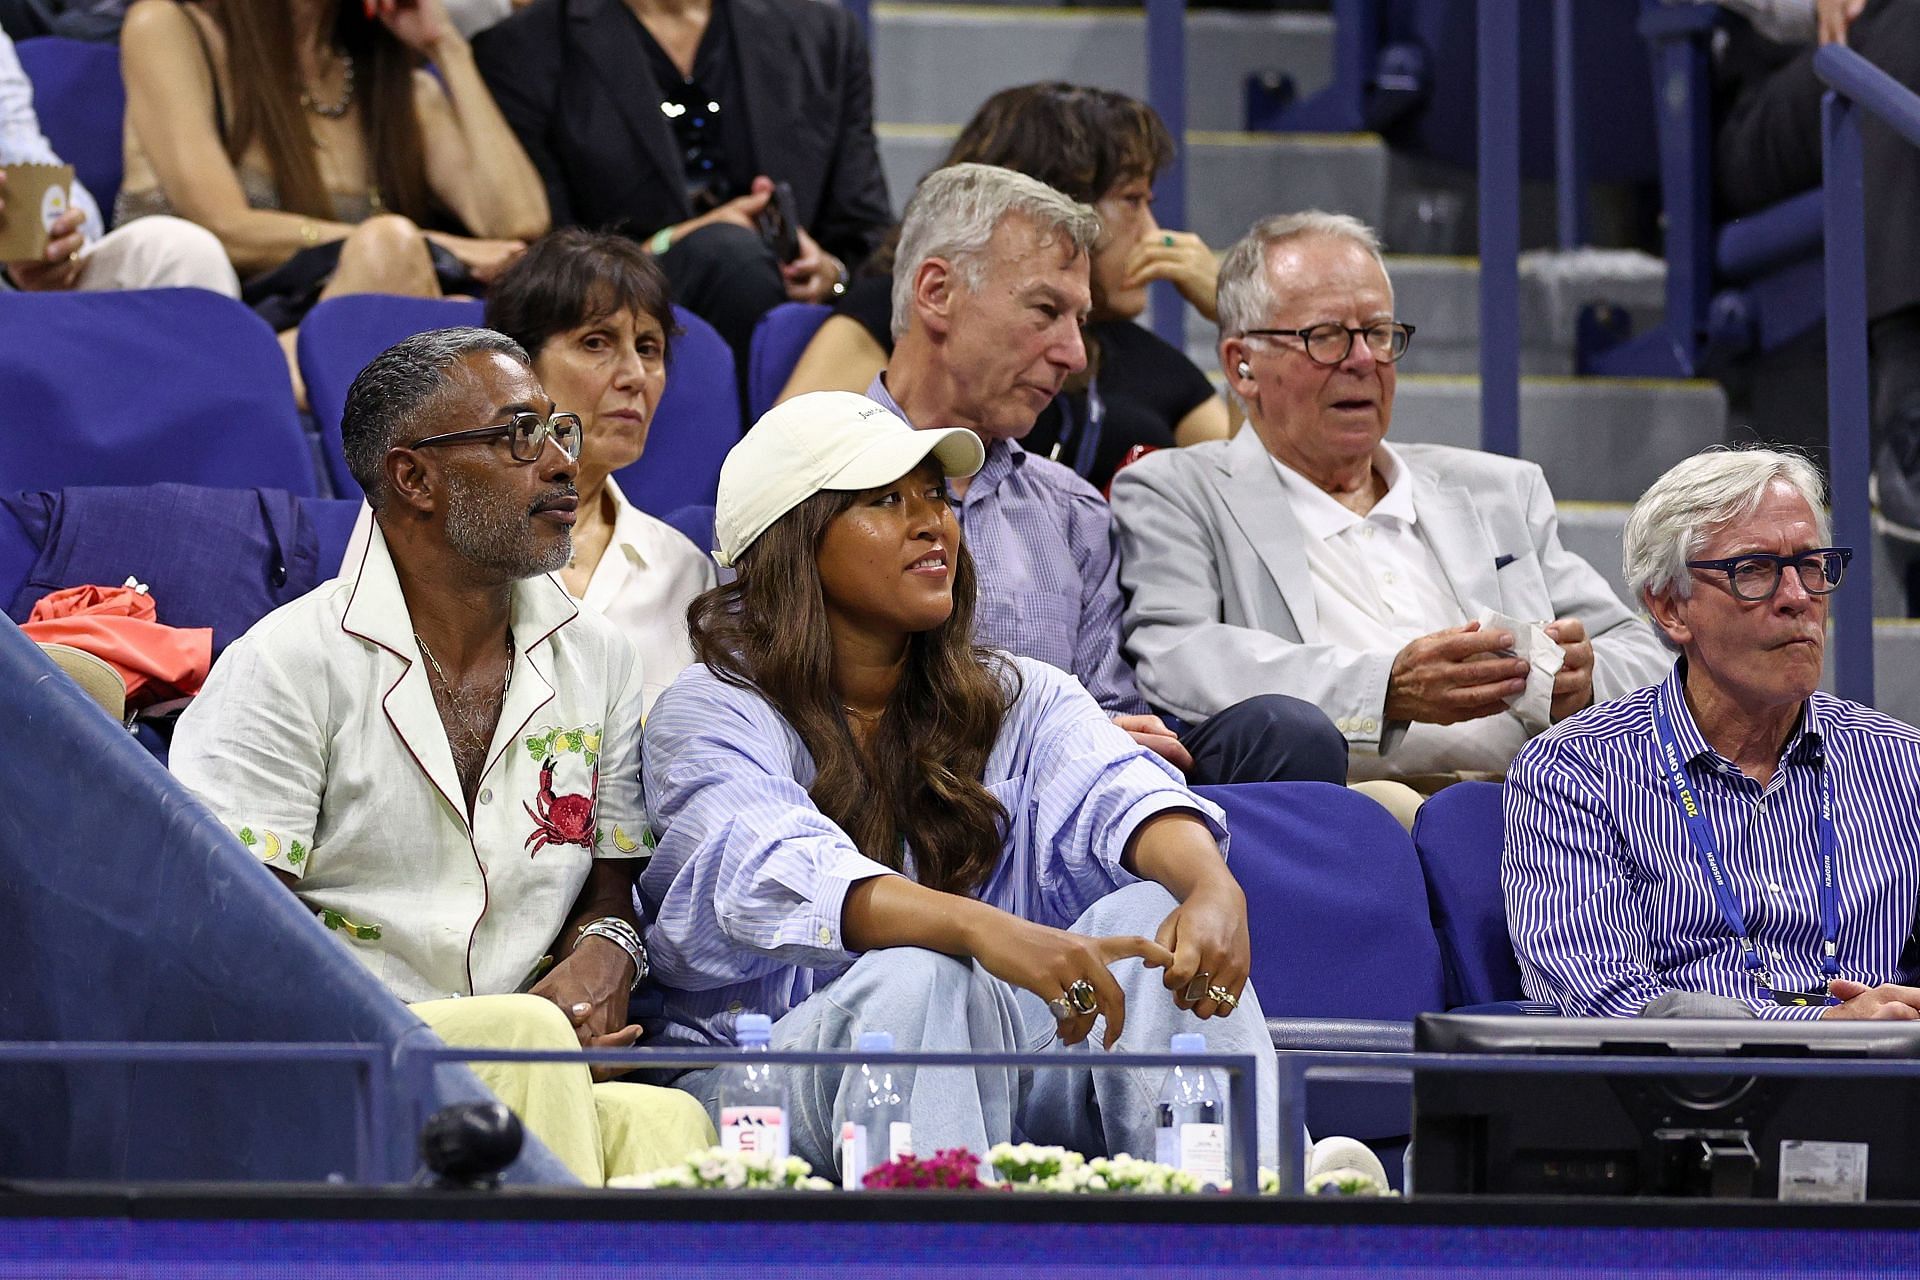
<point x="1246" y="370"/>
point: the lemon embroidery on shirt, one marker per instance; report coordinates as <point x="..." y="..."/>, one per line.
<point x="622" y="841"/>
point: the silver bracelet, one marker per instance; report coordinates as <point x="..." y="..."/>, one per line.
<point x="622" y="935"/>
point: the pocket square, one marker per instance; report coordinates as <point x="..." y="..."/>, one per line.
<point x="1501" y="562"/>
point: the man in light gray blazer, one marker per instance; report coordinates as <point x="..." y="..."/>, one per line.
<point x="1306" y="556"/>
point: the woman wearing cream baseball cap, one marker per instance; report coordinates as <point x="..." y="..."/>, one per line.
<point x="866" y="823"/>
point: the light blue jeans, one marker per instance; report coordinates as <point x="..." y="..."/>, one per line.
<point x="937" y="1004"/>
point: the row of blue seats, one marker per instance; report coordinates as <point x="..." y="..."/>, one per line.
<point x="187" y="386"/>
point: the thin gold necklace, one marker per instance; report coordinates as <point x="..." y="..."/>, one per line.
<point x="441" y="671"/>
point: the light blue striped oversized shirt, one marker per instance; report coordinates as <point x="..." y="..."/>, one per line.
<point x="1609" y="905"/>
<point x="742" y="898"/>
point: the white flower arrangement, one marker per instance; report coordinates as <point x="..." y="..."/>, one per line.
<point x="1335" y="1182"/>
<point x="1027" y="1167"/>
<point x="719" y="1169"/>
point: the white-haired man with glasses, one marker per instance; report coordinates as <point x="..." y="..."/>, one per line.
<point x="1306" y="556"/>
<point x="438" y="752"/>
<point x="1730" y="841"/>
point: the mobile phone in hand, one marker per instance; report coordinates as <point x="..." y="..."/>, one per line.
<point x="779" y="224"/>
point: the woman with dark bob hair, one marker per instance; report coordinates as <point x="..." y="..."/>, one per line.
<point x="1104" y="149"/>
<point x="866" y="823"/>
<point x="595" y="313"/>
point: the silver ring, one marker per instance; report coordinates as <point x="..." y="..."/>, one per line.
<point x="1081" y="998"/>
<point x="1058" y="1008"/>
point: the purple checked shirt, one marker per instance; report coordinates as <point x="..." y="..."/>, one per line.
<point x="743" y="897"/>
<point x="1044" y="543"/>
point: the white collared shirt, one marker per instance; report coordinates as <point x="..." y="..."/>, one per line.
<point x="1377" y="586"/>
<point x="317" y="742"/>
<point x="645" y="580"/>
<point x="1376" y="583"/>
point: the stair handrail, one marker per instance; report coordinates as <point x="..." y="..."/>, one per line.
<point x="1853" y="85"/>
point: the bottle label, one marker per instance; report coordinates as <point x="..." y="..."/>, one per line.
<point x="748" y="1129"/>
<point x="899" y="1139"/>
<point x="853" y="1156"/>
<point x="1203" y="1151"/>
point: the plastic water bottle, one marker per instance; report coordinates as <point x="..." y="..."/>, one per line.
<point x="876" y="1129"/>
<point x="1190" y="1118"/>
<point x="753" y="1096"/>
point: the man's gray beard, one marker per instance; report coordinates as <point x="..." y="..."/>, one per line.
<point x="494" y="536"/>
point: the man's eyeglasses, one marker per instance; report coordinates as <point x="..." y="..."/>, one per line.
<point x="1330" y="343"/>
<point x="526" y="435"/>
<point x="1756" y="576"/>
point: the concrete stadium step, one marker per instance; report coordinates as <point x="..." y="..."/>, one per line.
<point x="1233" y="179"/>
<point x="935" y="63"/>
<point x="1441" y="298"/>
<point x="1597" y="439"/>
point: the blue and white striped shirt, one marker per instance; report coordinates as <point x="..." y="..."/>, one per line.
<point x="743" y="896"/>
<point x="1609" y="905"/>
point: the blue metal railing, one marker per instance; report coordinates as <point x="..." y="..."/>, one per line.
<point x="1497" y="39"/>
<point x="415" y="1069"/>
<point x="1854" y="86"/>
<point x="1167" y="94"/>
<point x="373" y="1076"/>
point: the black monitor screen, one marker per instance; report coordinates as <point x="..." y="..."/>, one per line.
<point x="1740" y="1136"/>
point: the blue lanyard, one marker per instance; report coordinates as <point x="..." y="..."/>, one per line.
<point x="1700" y="832"/>
<point x="1080" y="438"/>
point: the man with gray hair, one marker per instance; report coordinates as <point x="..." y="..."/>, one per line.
<point x="990" y="289"/>
<point x="1417" y="595"/>
<point x="438" y="752"/>
<point x="1730" y="841"/>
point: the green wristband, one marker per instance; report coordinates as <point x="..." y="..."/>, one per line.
<point x="661" y="242"/>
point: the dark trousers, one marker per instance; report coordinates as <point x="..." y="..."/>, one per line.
<point x="1768" y="147"/>
<point x="1270" y="738"/>
<point x="728" y="277"/>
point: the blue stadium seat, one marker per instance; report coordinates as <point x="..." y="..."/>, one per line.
<point x="81" y="104"/>
<point x="1457" y="836"/>
<point x="782" y="334"/>
<point x="696" y="523"/>
<point x="132" y="915"/>
<point x="1340" y="928"/>
<point x="213" y="557"/>
<point x="1749" y="285"/>
<point x="697" y="422"/>
<point x="341" y="335"/>
<point x="135" y="387"/>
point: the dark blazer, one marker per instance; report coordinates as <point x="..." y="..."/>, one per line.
<point x="574" y="81"/>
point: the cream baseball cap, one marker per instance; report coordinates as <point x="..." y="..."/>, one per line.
<point x="823" y="440"/>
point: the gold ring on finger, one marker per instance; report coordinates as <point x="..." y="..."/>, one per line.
<point x="1223" y="997"/>
<point x="1198" y="988"/>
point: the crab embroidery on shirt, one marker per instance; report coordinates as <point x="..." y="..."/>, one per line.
<point x="565" y="818"/>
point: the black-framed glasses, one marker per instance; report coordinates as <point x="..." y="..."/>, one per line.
<point x="526" y="435"/>
<point x="1756" y="575"/>
<point x="1330" y="343"/>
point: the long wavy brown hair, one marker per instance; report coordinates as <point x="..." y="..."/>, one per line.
<point x="265" y="104"/>
<point x="918" y="784"/>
